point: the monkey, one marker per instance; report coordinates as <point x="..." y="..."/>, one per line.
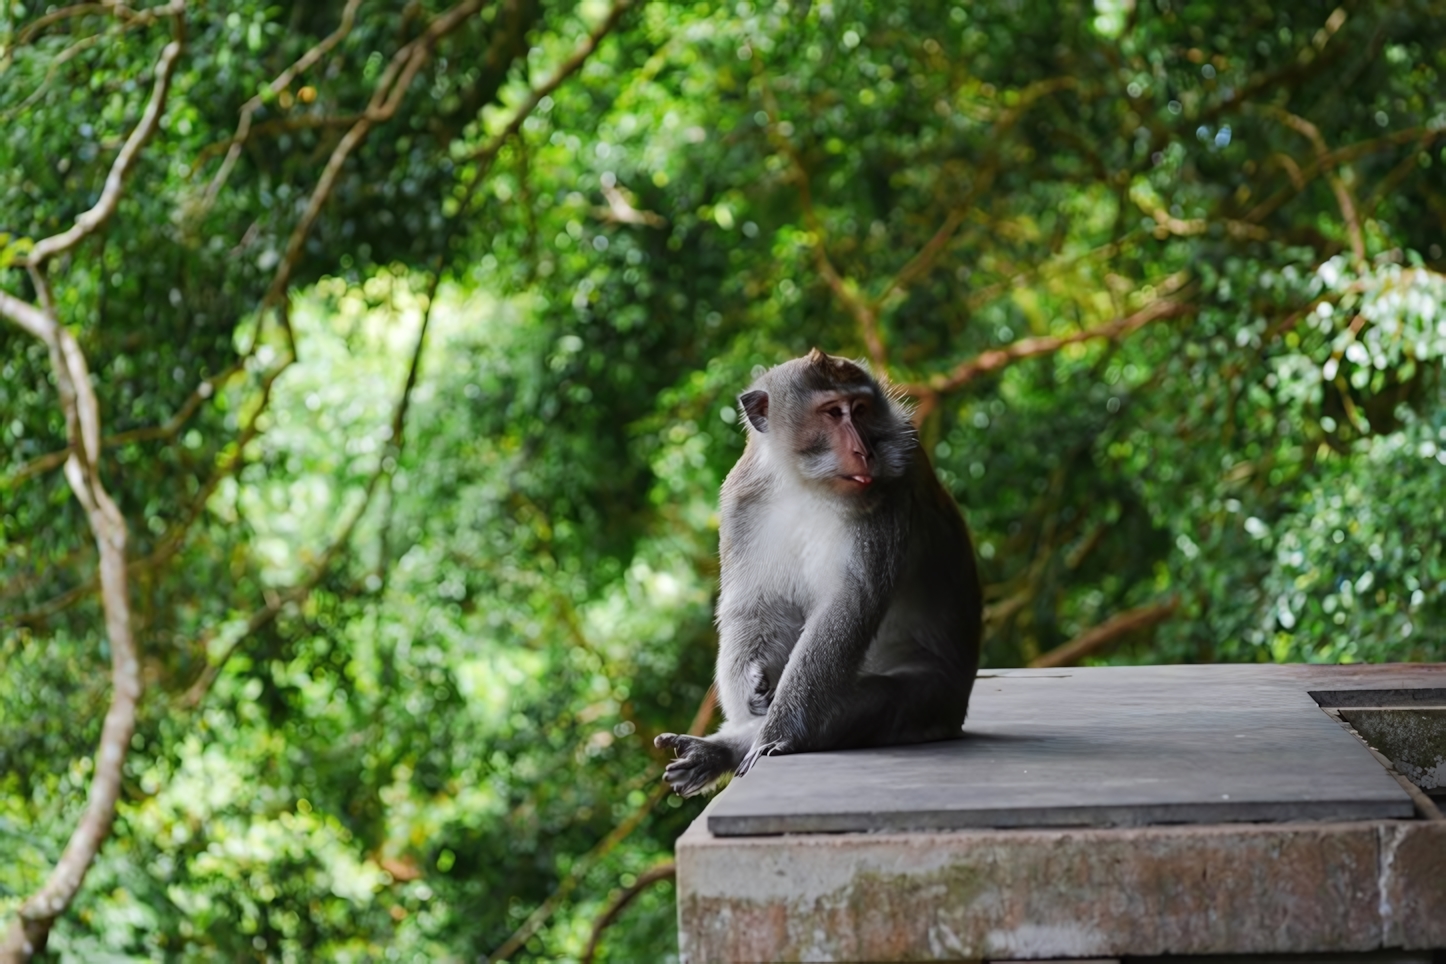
<point x="849" y="609"/>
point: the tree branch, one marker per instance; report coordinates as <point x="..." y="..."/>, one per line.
<point x="29" y="318"/>
<point x="646" y="879"/>
<point x="923" y="262"/>
<point x="298" y="592"/>
<point x="30" y="930"/>
<point x="384" y="103"/>
<point x="864" y="312"/>
<point x="583" y="864"/>
<point x="487" y="153"/>
<point x="88" y="222"/>
<point x="132" y="18"/>
<point x="386" y="98"/>
<point x="1092" y="641"/>
<point x="1323" y="157"/>
<point x="168" y="429"/>
<point x="997" y="358"/>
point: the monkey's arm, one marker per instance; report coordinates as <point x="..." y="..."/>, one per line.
<point x="754" y="636"/>
<point x="814" y="702"/>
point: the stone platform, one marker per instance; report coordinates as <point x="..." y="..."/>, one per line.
<point x="1095" y="813"/>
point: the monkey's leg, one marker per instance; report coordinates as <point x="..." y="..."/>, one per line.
<point x="703" y="760"/>
<point x="915" y="704"/>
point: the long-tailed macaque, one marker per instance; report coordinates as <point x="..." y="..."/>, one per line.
<point x="850" y="610"/>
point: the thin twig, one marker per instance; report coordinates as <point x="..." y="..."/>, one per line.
<point x="844" y="290"/>
<point x="168" y="429"/>
<point x="51" y="69"/>
<point x="1338" y="186"/>
<point x="923" y="262"/>
<point x="1300" y="177"/>
<point x="172" y="541"/>
<point x="295" y="122"/>
<point x="387" y="464"/>
<point x="583" y="864"/>
<point x="868" y="312"/>
<point x="283" y="80"/>
<point x="132" y="17"/>
<point x="487" y="153"/>
<point x="385" y="101"/>
<point x="395" y="81"/>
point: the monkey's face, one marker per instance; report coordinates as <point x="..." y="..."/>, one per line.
<point x="830" y="423"/>
<point x="835" y="440"/>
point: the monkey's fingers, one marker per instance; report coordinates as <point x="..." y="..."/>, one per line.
<point x="686" y="777"/>
<point x="758" y="750"/>
<point x="699" y="765"/>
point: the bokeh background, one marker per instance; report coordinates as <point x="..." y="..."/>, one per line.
<point x="417" y="418"/>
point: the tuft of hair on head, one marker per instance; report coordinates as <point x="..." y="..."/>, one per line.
<point x="839" y="371"/>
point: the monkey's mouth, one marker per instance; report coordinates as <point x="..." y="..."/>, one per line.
<point x="860" y="479"/>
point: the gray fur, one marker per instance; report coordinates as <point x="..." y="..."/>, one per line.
<point x="844" y="620"/>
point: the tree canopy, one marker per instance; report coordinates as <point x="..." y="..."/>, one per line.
<point x="367" y="377"/>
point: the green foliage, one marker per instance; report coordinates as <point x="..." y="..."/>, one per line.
<point x="396" y="739"/>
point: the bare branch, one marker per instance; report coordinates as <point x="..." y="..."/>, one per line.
<point x="31" y="319"/>
<point x="997" y="358"/>
<point x="1092" y="641"/>
<point x="646" y="879"/>
<point x="115" y="181"/>
<point x="29" y="931"/>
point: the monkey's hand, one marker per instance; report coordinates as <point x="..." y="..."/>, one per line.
<point x="761" y="696"/>
<point x="699" y="765"/>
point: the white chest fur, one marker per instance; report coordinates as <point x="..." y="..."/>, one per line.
<point x="798" y="548"/>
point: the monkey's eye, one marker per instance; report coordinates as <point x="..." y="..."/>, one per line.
<point x="834" y="412"/>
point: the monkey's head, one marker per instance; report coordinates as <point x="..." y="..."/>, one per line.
<point x="829" y="420"/>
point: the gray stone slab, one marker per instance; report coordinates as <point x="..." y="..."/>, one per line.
<point x="1112" y="746"/>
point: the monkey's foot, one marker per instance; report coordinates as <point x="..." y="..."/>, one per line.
<point x="700" y="763"/>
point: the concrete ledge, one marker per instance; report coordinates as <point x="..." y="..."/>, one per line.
<point x="967" y="850"/>
<point x="1039" y="894"/>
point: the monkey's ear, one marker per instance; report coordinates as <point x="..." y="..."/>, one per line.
<point x="755" y="406"/>
<point x="817" y="358"/>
